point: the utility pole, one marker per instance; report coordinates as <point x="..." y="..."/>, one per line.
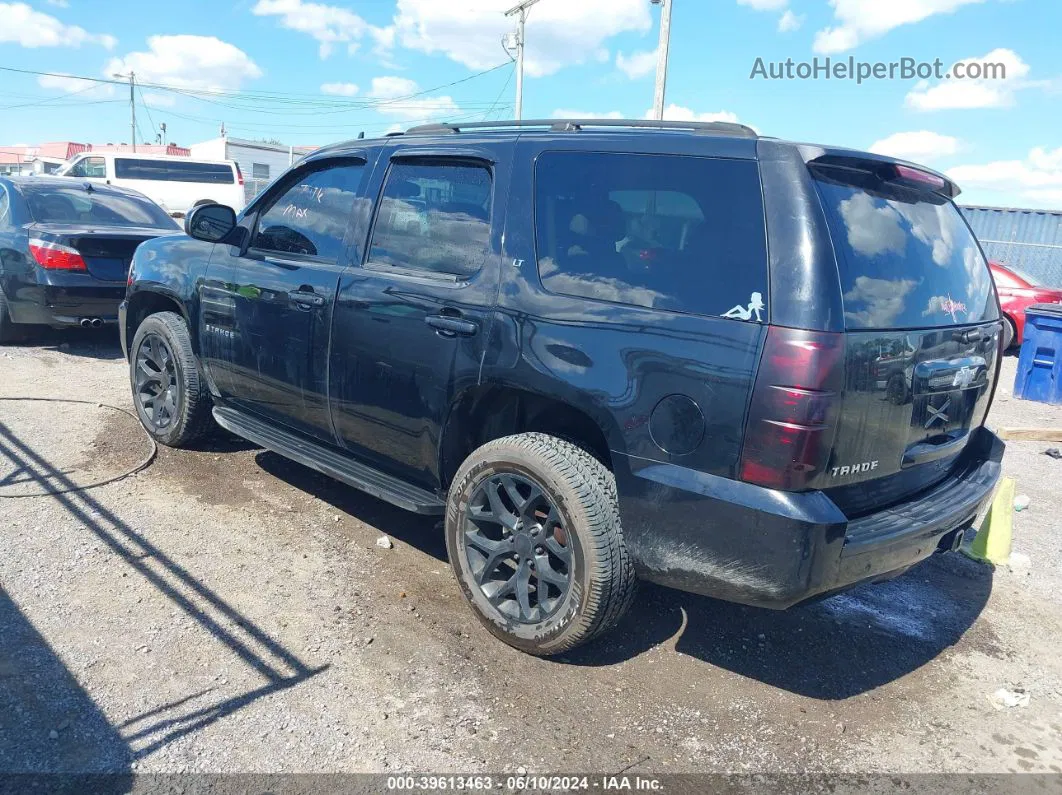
<point x="661" y="57"/>
<point x="521" y="10"/>
<point x="132" y="104"/>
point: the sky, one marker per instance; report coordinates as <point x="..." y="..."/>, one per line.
<point x="310" y="73"/>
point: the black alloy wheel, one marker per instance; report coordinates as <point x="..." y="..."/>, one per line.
<point x="155" y="382"/>
<point x="517" y="548"/>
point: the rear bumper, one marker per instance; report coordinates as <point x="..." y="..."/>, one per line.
<point x="67" y="304"/>
<point x="748" y="544"/>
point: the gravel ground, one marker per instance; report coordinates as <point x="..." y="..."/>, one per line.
<point x="225" y="610"/>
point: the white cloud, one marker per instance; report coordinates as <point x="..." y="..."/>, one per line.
<point x="559" y="33"/>
<point x="1035" y="180"/>
<point x="395" y="95"/>
<point x="764" y="5"/>
<point x="329" y="25"/>
<point x="194" y="62"/>
<point x="861" y="20"/>
<point x="157" y="100"/>
<point x="564" y="113"/>
<point x="954" y="94"/>
<point x="72" y="85"/>
<point x="789" y="22"/>
<point x="637" y="64"/>
<point x="922" y="146"/>
<point x="675" y="112"/>
<point x="883" y="300"/>
<point x="390" y="87"/>
<point x="339" y="89"/>
<point x="23" y="25"/>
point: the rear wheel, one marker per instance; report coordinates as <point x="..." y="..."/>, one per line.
<point x="169" y="392"/>
<point x="1010" y="333"/>
<point x="534" y="537"/>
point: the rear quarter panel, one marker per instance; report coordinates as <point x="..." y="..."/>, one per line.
<point x="617" y="362"/>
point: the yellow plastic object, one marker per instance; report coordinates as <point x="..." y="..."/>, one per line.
<point x="992" y="542"/>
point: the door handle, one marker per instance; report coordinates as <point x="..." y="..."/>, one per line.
<point x="449" y="326"/>
<point x="304" y="298"/>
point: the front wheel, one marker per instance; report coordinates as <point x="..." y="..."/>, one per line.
<point x="534" y="537"/>
<point x="169" y="392"/>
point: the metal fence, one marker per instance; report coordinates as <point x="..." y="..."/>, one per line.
<point x="1029" y="240"/>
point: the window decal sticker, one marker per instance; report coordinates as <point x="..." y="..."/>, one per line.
<point x="756" y="306"/>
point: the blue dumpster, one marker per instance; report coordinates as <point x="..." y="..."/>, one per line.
<point x="1040" y="362"/>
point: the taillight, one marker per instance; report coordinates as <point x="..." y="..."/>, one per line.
<point x="919" y="177"/>
<point x="56" y="257"/>
<point x="794" y="408"/>
<point x="239" y="174"/>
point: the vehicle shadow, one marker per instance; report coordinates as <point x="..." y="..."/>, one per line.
<point x="104" y="344"/>
<point x="422" y="532"/>
<point x="830" y="649"/>
<point x="278" y="667"/>
<point x="49" y="726"/>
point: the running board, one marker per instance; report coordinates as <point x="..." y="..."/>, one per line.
<point x="335" y="465"/>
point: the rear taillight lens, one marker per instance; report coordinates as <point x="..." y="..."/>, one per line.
<point x="56" y="257"/>
<point x="239" y="174"/>
<point x="794" y="408"/>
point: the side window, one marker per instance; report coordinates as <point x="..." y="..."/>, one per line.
<point x="433" y="216"/>
<point x="311" y="216"/>
<point x="5" y="209"/>
<point x="684" y="234"/>
<point x="89" y="167"/>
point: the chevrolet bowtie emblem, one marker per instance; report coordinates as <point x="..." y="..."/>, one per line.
<point x="964" y="377"/>
<point x="938" y="413"/>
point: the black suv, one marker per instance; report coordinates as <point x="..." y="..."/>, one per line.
<point x="749" y="368"/>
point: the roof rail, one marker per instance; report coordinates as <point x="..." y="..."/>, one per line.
<point x="575" y="125"/>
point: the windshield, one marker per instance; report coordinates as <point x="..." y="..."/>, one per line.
<point x="907" y="259"/>
<point x="75" y="204"/>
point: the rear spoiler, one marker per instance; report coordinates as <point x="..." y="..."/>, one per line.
<point x="888" y="169"/>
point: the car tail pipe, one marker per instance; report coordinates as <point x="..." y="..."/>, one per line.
<point x="91" y="322"/>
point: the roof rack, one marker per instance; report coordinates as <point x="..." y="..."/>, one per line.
<point x="575" y="125"/>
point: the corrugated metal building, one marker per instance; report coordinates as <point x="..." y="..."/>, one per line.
<point x="260" y="162"/>
<point x="1029" y="240"/>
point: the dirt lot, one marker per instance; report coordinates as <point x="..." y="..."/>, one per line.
<point x="224" y="610"/>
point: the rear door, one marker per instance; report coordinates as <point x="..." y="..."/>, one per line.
<point x="922" y="335"/>
<point x="412" y="323"/>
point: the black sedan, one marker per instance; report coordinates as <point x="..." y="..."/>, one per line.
<point x="65" y="249"/>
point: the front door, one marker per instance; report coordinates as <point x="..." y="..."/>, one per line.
<point x="412" y="323"/>
<point x="281" y="291"/>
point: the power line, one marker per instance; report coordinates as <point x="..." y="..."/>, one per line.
<point x="266" y="96"/>
<point x="147" y="110"/>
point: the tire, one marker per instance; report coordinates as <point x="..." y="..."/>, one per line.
<point x="162" y="346"/>
<point x="9" y="332"/>
<point x="573" y="530"/>
<point x="1010" y="333"/>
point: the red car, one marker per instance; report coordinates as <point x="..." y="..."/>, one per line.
<point x="1017" y="291"/>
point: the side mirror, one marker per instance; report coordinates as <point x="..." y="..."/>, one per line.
<point x="212" y="223"/>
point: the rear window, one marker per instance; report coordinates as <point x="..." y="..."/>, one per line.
<point x="907" y="259"/>
<point x="173" y="171"/>
<point x="684" y="234"/>
<point x="76" y="205"/>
